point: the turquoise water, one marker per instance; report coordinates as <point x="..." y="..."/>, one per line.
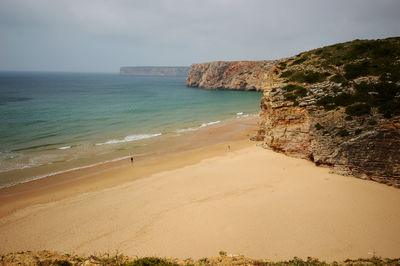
<point x="46" y="115"/>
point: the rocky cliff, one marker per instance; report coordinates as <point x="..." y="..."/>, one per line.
<point x="154" y="71"/>
<point x="338" y="106"/>
<point x="238" y="75"/>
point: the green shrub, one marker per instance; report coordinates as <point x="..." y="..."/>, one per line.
<point x="344" y="99"/>
<point x="298" y="61"/>
<point x="305" y="76"/>
<point x="358" y="69"/>
<point x="300" y="92"/>
<point x="291" y="87"/>
<point x="358" y="131"/>
<point x="358" y="109"/>
<point x="330" y="103"/>
<point x="62" y="263"/>
<point x="286" y="74"/>
<point x="338" y="79"/>
<point x="282" y="65"/>
<point x="150" y="261"/>
<point x="293" y="92"/>
<point x="204" y="260"/>
<point x="308" y="76"/>
<point x="372" y="123"/>
<point x="318" y="126"/>
<point x="318" y="51"/>
<point x="327" y="102"/>
<point x="290" y="97"/>
<point x="384" y="96"/>
<point x="327" y="65"/>
<point x="343" y="133"/>
<point x="390" y="108"/>
<point x="381" y="54"/>
<point x="348" y="118"/>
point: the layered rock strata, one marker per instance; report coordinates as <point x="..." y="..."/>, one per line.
<point x="237" y="75"/>
<point x="338" y="106"/>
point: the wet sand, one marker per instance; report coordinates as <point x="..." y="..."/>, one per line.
<point x="196" y="202"/>
<point x="164" y="153"/>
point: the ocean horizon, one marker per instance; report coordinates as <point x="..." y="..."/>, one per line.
<point x="72" y="120"/>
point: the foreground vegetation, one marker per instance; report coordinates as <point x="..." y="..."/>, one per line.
<point x="44" y="258"/>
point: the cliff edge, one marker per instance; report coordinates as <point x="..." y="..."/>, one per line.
<point x="169" y="71"/>
<point x="236" y="75"/>
<point x="338" y="106"/>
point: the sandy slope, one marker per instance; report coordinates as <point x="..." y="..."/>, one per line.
<point x="250" y="201"/>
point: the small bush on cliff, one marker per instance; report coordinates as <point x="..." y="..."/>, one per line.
<point x="293" y="92"/>
<point x="363" y="58"/>
<point x="306" y="76"/>
<point x="358" y="109"/>
<point x="318" y="126"/>
<point x="338" y="79"/>
<point x="372" y="123"/>
<point x="330" y="103"/>
<point x="282" y="65"/>
<point x="358" y="69"/>
<point x="384" y="96"/>
<point x="296" y="89"/>
<point x="343" y="133"/>
<point x="290" y="97"/>
<point x="299" y="61"/>
<point x="286" y="74"/>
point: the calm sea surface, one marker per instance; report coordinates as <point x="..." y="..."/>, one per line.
<point x="47" y="118"/>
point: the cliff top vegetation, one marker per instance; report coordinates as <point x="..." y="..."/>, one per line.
<point x="367" y="74"/>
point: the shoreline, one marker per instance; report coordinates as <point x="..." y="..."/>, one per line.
<point x="56" y="182"/>
<point x="220" y="191"/>
<point x="141" y="148"/>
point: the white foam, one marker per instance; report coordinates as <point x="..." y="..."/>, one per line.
<point x="129" y="138"/>
<point x="240" y="113"/>
<point x="64" y="148"/>
<point x="197" y="128"/>
<point x="187" y="129"/>
<point x="210" y="123"/>
<point x="66" y="171"/>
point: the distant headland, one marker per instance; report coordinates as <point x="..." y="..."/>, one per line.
<point x="172" y="71"/>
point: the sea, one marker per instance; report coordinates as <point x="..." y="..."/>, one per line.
<point x="75" y="120"/>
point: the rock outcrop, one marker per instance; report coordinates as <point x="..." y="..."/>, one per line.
<point x="338" y="106"/>
<point x="237" y="75"/>
<point x="170" y="71"/>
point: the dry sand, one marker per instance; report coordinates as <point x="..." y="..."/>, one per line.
<point x="246" y="200"/>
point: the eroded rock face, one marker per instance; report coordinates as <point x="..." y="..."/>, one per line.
<point x="238" y="75"/>
<point x="356" y="147"/>
<point x="338" y="106"/>
<point x="338" y="115"/>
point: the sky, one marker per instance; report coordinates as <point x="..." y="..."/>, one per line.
<point x="103" y="35"/>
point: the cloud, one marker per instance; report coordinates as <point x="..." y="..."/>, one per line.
<point x="100" y="35"/>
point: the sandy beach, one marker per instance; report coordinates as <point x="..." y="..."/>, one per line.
<point x="204" y="199"/>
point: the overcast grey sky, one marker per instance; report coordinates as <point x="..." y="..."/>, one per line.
<point x="102" y="35"/>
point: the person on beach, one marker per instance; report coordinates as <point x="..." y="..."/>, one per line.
<point x="131" y="160"/>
